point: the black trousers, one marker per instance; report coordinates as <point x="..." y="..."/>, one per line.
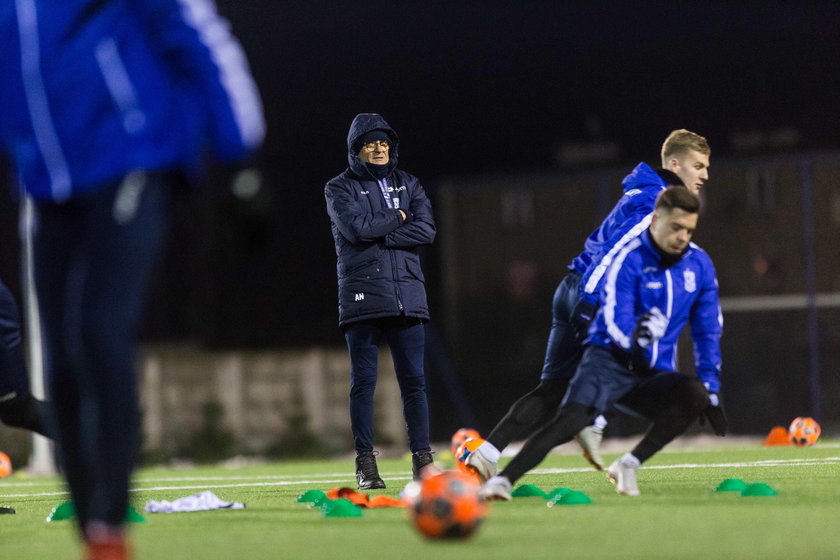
<point x="14" y="379"/>
<point x="670" y="399"/>
<point x="92" y="259"/>
<point x="406" y="338"/>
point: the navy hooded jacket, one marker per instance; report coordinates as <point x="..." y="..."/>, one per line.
<point x="379" y="272"/>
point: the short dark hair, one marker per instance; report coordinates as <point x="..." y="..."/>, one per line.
<point x="678" y="197"/>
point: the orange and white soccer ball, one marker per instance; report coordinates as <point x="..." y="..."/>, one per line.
<point x="460" y="437"/>
<point x="804" y="431"/>
<point x="447" y="506"/>
<point x="5" y="465"/>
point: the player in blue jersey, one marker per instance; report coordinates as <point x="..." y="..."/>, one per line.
<point x="107" y="107"/>
<point x="685" y="161"/>
<point x="656" y="284"/>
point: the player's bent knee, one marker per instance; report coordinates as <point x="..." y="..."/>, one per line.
<point x="694" y="395"/>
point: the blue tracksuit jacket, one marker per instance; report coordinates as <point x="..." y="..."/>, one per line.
<point x="630" y="217"/>
<point x="152" y="83"/>
<point x="636" y="282"/>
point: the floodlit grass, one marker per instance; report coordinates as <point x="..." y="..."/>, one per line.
<point x="678" y="514"/>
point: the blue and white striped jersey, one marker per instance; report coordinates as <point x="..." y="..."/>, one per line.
<point x="636" y="282"/>
<point x="628" y="218"/>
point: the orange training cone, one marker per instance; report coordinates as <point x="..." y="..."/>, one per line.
<point x="778" y="436"/>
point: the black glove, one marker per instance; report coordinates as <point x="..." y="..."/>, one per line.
<point x="582" y="315"/>
<point x="650" y="327"/>
<point x="714" y="414"/>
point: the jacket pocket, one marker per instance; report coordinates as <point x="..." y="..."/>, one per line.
<point x="412" y="265"/>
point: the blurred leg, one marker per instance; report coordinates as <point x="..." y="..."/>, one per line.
<point x="562" y="356"/>
<point x="93" y="259"/>
<point x="673" y="401"/>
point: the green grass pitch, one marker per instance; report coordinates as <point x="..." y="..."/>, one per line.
<point x="678" y="514"/>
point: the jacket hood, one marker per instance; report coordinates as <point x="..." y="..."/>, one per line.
<point x="361" y="125"/>
<point x="642" y="176"/>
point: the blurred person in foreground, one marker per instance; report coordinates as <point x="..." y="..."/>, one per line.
<point x="380" y="216"/>
<point x="655" y="285"/>
<point x="685" y="162"/>
<point x="107" y="107"/>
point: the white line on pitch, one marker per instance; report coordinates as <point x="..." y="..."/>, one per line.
<point x="769" y="463"/>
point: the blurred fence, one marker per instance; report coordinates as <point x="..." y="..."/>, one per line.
<point x="208" y="405"/>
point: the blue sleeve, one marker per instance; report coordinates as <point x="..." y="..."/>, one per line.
<point x="618" y="298"/>
<point x="355" y="223"/>
<point x="207" y="60"/>
<point x="619" y="229"/>
<point x="706" y="328"/>
<point x="420" y="229"/>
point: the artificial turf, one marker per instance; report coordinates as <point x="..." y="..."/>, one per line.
<point x="678" y="515"/>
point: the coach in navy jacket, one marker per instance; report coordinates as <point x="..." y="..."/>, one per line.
<point x="376" y="239"/>
<point x="379" y="217"/>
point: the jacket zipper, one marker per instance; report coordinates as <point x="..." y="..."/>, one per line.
<point x="119" y="85"/>
<point x="394" y="267"/>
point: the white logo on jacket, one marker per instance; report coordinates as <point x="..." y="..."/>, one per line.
<point x="360" y="296"/>
<point x="690" y="280"/>
<point x="654" y="285"/>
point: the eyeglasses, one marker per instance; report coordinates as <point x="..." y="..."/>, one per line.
<point x="382" y="144"/>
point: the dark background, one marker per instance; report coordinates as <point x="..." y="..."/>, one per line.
<point x="473" y="89"/>
<point x="486" y="87"/>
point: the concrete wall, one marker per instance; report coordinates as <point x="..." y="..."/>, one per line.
<point x="259" y="392"/>
<point x="264" y="396"/>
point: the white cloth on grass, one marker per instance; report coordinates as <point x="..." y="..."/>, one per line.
<point x="197" y="502"/>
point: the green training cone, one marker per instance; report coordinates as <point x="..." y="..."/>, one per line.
<point x="758" y="489"/>
<point x="570" y="498"/>
<point x="731" y="485"/>
<point x="342" y="508"/>
<point x="67" y="510"/>
<point x="311" y="496"/>
<point x="527" y="491"/>
<point x="132" y="516"/>
<point x="321" y="502"/>
<point x="62" y="512"/>
<point x="557" y="493"/>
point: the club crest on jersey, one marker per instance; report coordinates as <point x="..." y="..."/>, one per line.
<point x="690" y="280"/>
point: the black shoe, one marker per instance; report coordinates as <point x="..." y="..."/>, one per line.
<point x="28" y="413"/>
<point x="420" y="460"/>
<point x="367" y="474"/>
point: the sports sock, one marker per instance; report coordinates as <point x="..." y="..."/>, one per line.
<point x="490" y="452"/>
<point x="630" y="460"/>
<point x="600" y="422"/>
